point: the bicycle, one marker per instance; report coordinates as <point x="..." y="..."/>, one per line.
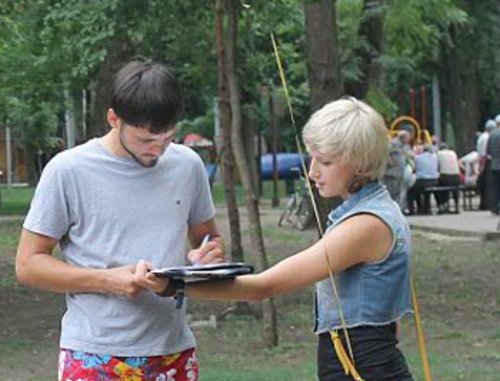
<point x="299" y="210"/>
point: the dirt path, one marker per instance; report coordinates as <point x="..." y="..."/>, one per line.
<point x="458" y="285"/>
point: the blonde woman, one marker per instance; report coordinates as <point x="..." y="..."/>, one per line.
<point x="367" y="248"/>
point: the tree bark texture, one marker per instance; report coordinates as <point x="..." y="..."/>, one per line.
<point x="371" y="30"/>
<point x="322" y="52"/>
<point x="462" y="92"/>
<point x="120" y="52"/>
<point x="225" y="122"/>
<point x="256" y="238"/>
<point x="324" y="71"/>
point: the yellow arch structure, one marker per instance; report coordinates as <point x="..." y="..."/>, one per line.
<point x="421" y="135"/>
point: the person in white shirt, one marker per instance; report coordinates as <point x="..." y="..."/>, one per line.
<point x="482" y="141"/>
<point x="469" y="167"/>
<point x="482" y="181"/>
<point x="427" y="175"/>
<point x="449" y="175"/>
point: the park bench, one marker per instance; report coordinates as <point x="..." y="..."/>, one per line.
<point x="454" y="192"/>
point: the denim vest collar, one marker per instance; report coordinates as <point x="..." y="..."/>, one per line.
<point x="368" y="191"/>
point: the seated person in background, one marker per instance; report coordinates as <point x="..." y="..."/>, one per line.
<point x="449" y="175"/>
<point x="469" y="168"/>
<point x="436" y="143"/>
<point x="427" y="173"/>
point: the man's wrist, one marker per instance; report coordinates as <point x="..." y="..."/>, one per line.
<point x="101" y="281"/>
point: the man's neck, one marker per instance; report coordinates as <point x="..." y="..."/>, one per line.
<point x="111" y="142"/>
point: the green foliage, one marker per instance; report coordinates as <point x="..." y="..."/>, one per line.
<point x="415" y="28"/>
<point x="349" y="13"/>
<point x="382" y="103"/>
<point x="48" y="44"/>
<point x="285" y="20"/>
<point x="483" y="32"/>
<point x="80" y="31"/>
<point x="29" y="99"/>
<point x="200" y="125"/>
<point x="415" y="32"/>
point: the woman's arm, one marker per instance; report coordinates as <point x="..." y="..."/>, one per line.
<point x="363" y="238"/>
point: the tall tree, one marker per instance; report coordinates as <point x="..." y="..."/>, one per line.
<point x="322" y="52"/>
<point x="371" y="31"/>
<point x="120" y="51"/>
<point x="229" y="161"/>
<point x="462" y="90"/>
<point x="242" y="161"/>
<point x="471" y="59"/>
<point x="324" y="70"/>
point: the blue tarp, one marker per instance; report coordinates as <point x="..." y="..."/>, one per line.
<point x="211" y="170"/>
<point x="285" y="161"/>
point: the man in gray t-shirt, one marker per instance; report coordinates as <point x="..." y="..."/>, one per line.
<point x="130" y="195"/>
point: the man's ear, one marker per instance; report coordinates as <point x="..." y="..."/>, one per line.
<point x="112" y="118"/>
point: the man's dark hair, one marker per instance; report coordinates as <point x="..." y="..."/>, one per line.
<point x="147" y="95"/>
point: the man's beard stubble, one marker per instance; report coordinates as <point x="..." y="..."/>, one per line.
<point x="151" y="164"/>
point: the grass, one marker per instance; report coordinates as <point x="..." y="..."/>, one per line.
<point x="219" y="195"/>
<point x="16" y="200"/>
<point x="458" y="293"/>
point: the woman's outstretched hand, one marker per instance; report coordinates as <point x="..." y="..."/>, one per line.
<point x="145" y="278"/>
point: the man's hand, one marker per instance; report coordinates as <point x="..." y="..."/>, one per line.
<point x="211" y="252"/>
<point x="146" y="279"/>
<point x="122" y="281"/>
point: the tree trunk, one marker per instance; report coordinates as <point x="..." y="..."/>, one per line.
<point x="274" y="135"/>
<point x="248" y="138"/>
<point x="229" y="163"/>
<point x="462" y="92"/>
<point x="225" y="122"/>
<point x="256" y="238"/>
<point x="323" y="55"/>
<point x="370" y="29"/>
<point x="69" y="118"/>
<point x="324" y="71"/>
<point x="119" y="53"/>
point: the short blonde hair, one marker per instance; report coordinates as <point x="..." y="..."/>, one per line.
<point x="354" y="133"/>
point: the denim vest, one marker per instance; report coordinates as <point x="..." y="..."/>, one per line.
<point x="370" y="294"/>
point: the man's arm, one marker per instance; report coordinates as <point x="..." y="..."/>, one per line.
<point x="36" y="267"/>
<point x="212" y="251"/>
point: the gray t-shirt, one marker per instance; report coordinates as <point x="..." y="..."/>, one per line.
<point x="108" y="212"/>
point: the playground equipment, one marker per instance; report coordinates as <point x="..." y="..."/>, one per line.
<point x="422" y="136"/>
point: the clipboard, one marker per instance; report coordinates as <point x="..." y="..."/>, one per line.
<point x="216" y="271"/>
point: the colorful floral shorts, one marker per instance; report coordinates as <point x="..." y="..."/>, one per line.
<point x="78" y="366"/>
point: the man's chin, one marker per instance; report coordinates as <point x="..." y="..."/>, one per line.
<point x="150" y="163"/>
<point x="147" y="163"/>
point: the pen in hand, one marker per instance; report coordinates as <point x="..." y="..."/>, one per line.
<point x="204" y="241"/>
